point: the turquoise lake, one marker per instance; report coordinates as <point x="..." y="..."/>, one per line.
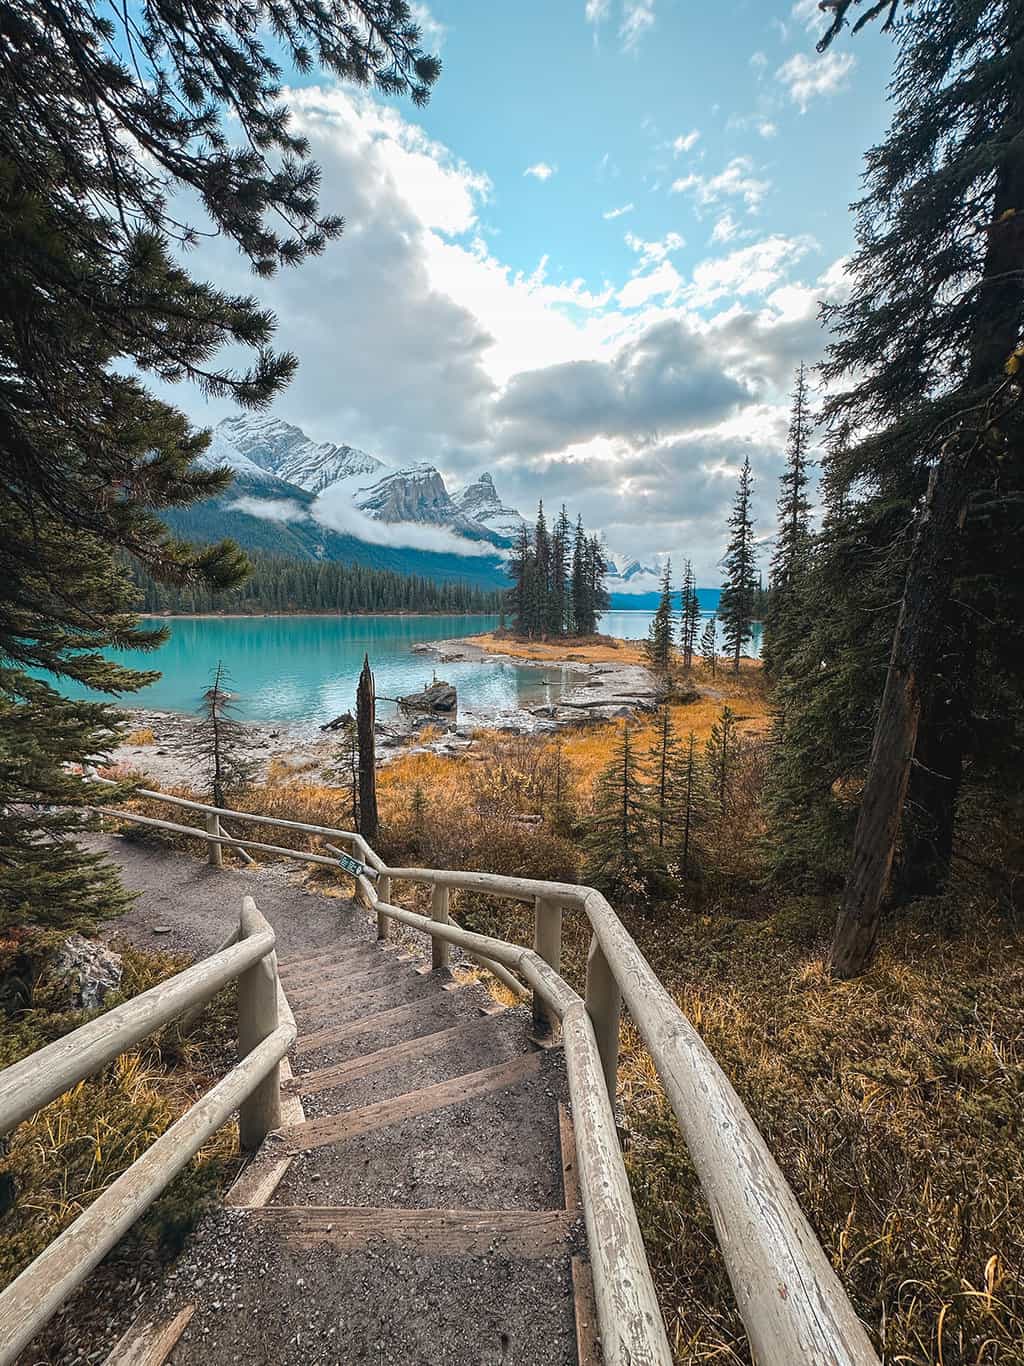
<point x="303" y="670"/>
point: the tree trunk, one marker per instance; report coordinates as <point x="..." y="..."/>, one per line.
<point x="365" y="716"/>
<point x="931" y="573"/>
<point x="935" y="775"/>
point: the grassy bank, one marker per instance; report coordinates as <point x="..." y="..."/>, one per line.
<point x="893" y="1104"/>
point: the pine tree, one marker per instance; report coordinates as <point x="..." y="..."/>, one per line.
<point x="720" y="758"/>
<point x="736" y="605"/>
<point x="519" y="570"/>
<point x="658" y="646"/>
<point x="218" y="743"/>
<point x="559" y="609"/>
<point x="924" y="536"/>
<point x="662" y="764"/>
<point x="690" y="801"/>
<point x="689" y="616"/>
<point x="113" y="123"/>
<point x="597" y="595"/>
<point x="791" y="559"/>
<point x="708" y="645"/>
<point x="581" y="623"/>
<point x="616" y="833"/>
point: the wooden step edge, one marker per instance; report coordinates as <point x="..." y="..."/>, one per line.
<point x="322" y="1132"/>
<point x="355" y="953"/>
<point x="420" y="1046"/>
<point x="149" y="1341"/>
<point x="321" y="1038"/>
<point x="254" y="1186"/>
<point x="443" y="1232"/>
<point x="322" y="1011"/>
<point x="383" y="974"/>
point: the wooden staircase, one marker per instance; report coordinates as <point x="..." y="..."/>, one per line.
<point x="420" y="1202"/>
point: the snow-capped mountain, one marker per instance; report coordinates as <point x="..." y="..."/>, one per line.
<point x="479" y="502"/>
<point x="288" y="452"/>
<point x="625" y="567"/>
<point x="221" y="452"/>
<point x="287" y="480"/>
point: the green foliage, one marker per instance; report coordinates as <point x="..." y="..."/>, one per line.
<point x="922" y="343"/>
<point x="786" y="618"/>
<point x="736" y="605"/>
<point x="616" y="833"/>
<point x="720" y="758"/>
<point x="278" y="584"/>
<point x="689" y="615"/>
<point x="658" y="645"/>
<point x="552" y="594"/>
<point x="708" y="650"/>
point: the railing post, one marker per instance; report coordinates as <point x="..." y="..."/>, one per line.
<point x="384" y="893"/>
<point x="215" y="854"/>
<point x="439" y="948"/>
<point x="257" y="1017"/>
<point x="547" y="942"/>
<point x="604" y="1006"/>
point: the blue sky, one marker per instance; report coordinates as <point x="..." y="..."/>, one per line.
<point x="590" y="264"/>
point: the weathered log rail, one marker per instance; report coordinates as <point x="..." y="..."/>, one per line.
<point x="266" y="1031"/>
<point x="793" y="1306"/>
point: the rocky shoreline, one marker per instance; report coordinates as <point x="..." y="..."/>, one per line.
<point x="607" y="692"/>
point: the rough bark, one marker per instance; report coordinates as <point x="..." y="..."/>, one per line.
<point x="365" y="717"/>
<point x="931" y="573"/>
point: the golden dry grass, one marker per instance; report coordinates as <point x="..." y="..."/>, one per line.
<point x="143" y="736"/>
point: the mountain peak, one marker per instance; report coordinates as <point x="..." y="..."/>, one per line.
<point x="289" y="453"/>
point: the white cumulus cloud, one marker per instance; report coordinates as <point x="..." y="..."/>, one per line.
<point x="686" y="142"/>
<point x="617" y="213"/>
<point x="737" y="181"/>
<point x="541" y="170"/>
<point x="809" y="78"/>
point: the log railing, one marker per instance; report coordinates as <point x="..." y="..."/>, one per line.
<point x="266" y="1031"/>
<point x="793" y="1306"/>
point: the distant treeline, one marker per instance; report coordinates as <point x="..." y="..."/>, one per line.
<point x="278" y="584"/>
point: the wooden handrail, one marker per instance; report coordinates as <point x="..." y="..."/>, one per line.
<point x="252" y="1087"/>
<point x="792" y="1303"/>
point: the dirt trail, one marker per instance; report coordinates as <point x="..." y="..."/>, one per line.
<point x="416" y="1208"/>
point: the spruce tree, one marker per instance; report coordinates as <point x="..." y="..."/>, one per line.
<point x="581" y="623"/>
<point x="658" y="645"/>
<point x="112" y="122"/>
<point x="708" y="645"/>
<point x="343" y="767"/>
<point x="920" y="559"/>
<point x="218" y="744"/>
<point x="519" y="570"/>
<point x="736" y="605"/>
<point x="689" y="616"/>
<point x="662" y="764"/>
<point x="720" y="758"/>
<point x="791" y="558"/>
<point x="616" y="833"/>
<point x="559" y="606"/>
<point x="689" y="792"/>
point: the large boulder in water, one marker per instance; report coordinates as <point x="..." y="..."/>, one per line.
<point x="438" y="697"/>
